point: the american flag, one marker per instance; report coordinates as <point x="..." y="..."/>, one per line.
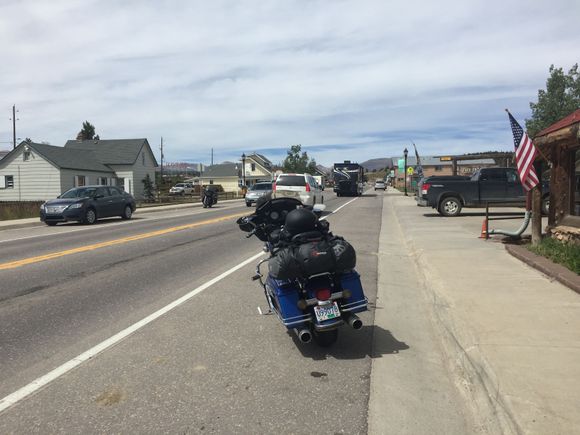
<point x="418" y="168"/>
<point x="525" y="155"/>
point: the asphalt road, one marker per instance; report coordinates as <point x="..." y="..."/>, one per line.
<point x="211" y="365"/>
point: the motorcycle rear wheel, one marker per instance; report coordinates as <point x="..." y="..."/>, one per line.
<point x="327" y="338"/>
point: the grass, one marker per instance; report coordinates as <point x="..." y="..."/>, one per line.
<point x="19" y="210"/>
<point x="566" y="254"/>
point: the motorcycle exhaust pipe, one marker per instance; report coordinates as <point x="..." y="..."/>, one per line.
<point x="355" y="322"/>
<point x="304" y="335"/>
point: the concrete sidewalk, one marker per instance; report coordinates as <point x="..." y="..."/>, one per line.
<point x="31" y="222"/>
<point x="512" y="335"/>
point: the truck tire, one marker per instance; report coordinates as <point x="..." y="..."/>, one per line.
<point x="546" y="205"/>
<point x="450" y="206"/>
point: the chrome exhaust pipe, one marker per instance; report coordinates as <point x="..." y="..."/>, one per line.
<point x="304" y="335"/>
<point x="355" y="322"/>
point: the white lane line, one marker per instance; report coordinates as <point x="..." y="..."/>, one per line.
<point x="42" y="381"/>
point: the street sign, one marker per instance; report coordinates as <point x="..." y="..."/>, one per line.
<point x="410" y="170"/>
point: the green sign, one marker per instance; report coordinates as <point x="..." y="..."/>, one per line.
<point x="401" y="164"/>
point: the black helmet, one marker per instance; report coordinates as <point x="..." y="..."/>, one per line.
<point x="299" y="221"/>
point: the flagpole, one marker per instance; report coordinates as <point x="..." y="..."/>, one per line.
<point x="538" y="149"/>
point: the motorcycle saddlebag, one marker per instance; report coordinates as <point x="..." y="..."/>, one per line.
<point x="357" y="302"/>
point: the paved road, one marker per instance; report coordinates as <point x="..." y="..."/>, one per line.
<point x="212" y="364"/>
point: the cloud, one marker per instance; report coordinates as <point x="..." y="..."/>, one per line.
<point x="248" y="75"/>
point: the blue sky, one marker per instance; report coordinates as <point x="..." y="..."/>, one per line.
<point x="346" y="79"/>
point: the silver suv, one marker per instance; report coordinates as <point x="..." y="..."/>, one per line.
<point x="300" y="186"/>
<point x="257" y="191"/>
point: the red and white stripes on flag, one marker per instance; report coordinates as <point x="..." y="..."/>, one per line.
<point x="525" y="155"/>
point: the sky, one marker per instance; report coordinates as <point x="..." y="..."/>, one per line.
<point x="350" y="80"/>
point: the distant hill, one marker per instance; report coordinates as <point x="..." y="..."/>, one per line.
<point x="377" y="163"/>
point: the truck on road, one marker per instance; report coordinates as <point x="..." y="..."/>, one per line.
<point x="496" y="186"/>
<point x="347" y="178"/>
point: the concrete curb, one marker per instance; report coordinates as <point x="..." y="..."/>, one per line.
<point x="547" y="267"/>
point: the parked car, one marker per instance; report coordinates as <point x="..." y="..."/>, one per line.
<point x="257" y="191"/>
<point x="181" y="189"/>
<point x="300" y="186"/>
<point x="87" y="204"/>
<point x="380" y="184"/>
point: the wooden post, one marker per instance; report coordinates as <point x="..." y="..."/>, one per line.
<point x="537" y="207"/>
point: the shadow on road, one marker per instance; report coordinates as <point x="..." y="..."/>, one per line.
<point x="354" y="344"/>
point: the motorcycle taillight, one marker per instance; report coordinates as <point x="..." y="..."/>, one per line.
<point x="322" y="294"/>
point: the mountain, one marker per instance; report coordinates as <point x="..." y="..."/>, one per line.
<point x="377" y="163"/>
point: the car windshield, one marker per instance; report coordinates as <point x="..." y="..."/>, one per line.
<point x="291" y="180"/>
<point x="179" y="185"/>
<point x="80" y="192"/>
<point x="265" y="186"/>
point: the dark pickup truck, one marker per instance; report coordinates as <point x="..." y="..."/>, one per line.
<point x="448" y="195"/>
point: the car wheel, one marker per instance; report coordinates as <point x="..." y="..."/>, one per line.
<point x="450" y="206"/>
<point x="50" y="224"/>
<point x="127" y="213"/>
<point x="248" y="204"/>
<point x="322" y="199"/>
<point x="546" y="205"/>
<point x="90" y="217"/>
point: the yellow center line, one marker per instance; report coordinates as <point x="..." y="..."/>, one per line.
<point x="31" y="260"/>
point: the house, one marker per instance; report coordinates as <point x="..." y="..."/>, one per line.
<point x="231" y="176"/>
<point x="560" y="143"/>
<point x="3" y="153"/>
<point x="35" y="172"/>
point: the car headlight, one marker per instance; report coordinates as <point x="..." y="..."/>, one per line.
<point x="77" y="205"/>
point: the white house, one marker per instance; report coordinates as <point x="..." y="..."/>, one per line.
<point x="231" y="176"/>
<point x="33" y="172"/>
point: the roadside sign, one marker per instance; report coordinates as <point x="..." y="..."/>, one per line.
<point x="410" y="170"/>
<point x="401" y="164"/>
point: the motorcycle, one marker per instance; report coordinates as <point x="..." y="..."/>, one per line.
<point x="313" y="305"/>
<point x="209" y="198"/>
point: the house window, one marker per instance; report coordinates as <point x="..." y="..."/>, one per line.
<point x="102" y="181"/>
<point x="253" y="167"/>
<point x="26" y="155"/>
<point x="80" y="180"/>
<point x="210" y="181"/>
<point x="6" y="181"/>
<point x="438" y="168"/>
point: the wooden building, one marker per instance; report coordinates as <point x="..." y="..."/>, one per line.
<point x="560" y="143"/>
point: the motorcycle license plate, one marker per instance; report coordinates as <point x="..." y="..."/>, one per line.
<point x="326" y="312"/>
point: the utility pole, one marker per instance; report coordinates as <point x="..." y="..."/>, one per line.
<point x="161" y="148"/>
<point x="212" y="156"/>
<point x="14" y="125"/>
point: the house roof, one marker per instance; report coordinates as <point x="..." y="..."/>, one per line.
<point x="113" y="151"/>
<point x="222" y="170"/>
<point x="261" y="159"/>
<point x="67" y="159"/>
<point x="572" y="118"/>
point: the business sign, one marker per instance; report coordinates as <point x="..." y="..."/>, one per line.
<point x="401" y="164"/>
<point x="445" y="159"/>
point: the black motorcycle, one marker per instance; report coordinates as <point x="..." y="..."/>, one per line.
<point x="311" y="284"/>
<point x="209" y="198"/>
